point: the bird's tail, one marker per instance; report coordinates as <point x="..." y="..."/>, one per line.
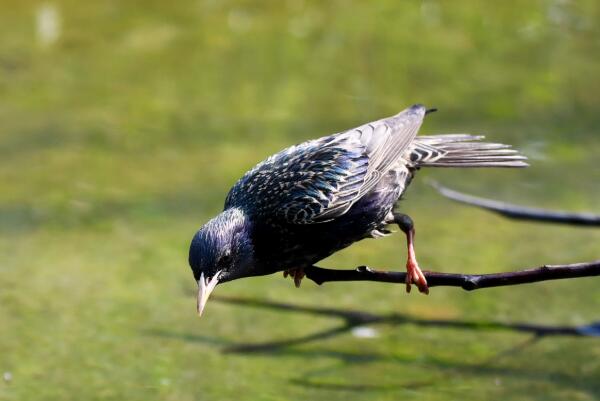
<point x="463" y="150"/>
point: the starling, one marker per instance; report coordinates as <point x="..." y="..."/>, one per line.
<point x="313" y="199"/>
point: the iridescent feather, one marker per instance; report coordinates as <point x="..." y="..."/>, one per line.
<point x="319" y="180"/>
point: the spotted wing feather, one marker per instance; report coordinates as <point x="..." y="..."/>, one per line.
<point x="319" y="180"/>
<point x="298" y="184"/>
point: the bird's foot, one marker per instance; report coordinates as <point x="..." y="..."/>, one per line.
<point x="414" y="275"/>
<point x="297" y="274"/>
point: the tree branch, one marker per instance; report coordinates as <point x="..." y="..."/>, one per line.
<point x="467" y="282"/>
<point x="520" y="212"/>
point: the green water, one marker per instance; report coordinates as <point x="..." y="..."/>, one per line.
<point x="123" y="125"/>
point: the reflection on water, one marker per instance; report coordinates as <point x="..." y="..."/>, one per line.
<point x="47" y="24"/>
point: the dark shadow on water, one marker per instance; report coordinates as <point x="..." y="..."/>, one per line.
<point x="354" y="318"/>
<point x="189" y="337"/>
<point x="360" y="387"/>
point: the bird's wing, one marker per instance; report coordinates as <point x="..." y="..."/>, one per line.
<point x="319" y="180"/>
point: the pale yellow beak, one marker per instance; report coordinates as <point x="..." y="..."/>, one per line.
<point x="205" y="287"/>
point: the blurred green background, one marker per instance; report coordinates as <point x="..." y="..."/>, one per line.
<point x="123" y="124"/>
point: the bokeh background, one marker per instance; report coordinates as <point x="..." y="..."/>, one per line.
<point x="124" y="123"/>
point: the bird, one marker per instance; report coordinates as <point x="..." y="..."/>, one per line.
<point x="315" y="198"/>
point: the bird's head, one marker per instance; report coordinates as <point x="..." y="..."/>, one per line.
<point x="221" y="251"/>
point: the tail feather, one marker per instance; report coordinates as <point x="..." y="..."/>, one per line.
<point x="463" y="150"/>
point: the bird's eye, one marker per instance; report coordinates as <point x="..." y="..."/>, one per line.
<point x="225" y="260"/>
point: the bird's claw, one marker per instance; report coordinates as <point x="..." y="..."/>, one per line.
<point x="414" y="275"/>
<point x="296" y="274"/>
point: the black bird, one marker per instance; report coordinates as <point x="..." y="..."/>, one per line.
<point x="313" y="199"/>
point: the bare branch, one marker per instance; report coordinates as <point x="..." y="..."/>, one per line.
<point x="467" y="282"/>
<point x="520" y="212"/>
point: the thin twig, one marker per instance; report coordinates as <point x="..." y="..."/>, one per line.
<point x="467" y="282"/>
<point x="521" y="212"/>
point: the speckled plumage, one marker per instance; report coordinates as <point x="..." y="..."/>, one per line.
<point x="313" y="199"/>
<point x="319" y="180"/>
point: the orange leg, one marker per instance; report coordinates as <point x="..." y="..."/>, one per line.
<point x="414" y="275"/>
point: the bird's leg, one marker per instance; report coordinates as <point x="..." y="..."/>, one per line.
<point x="297" y="274"/>
<point x="413" y="272"/>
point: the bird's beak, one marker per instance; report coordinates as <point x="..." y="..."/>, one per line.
<point x="205" y="287"/>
